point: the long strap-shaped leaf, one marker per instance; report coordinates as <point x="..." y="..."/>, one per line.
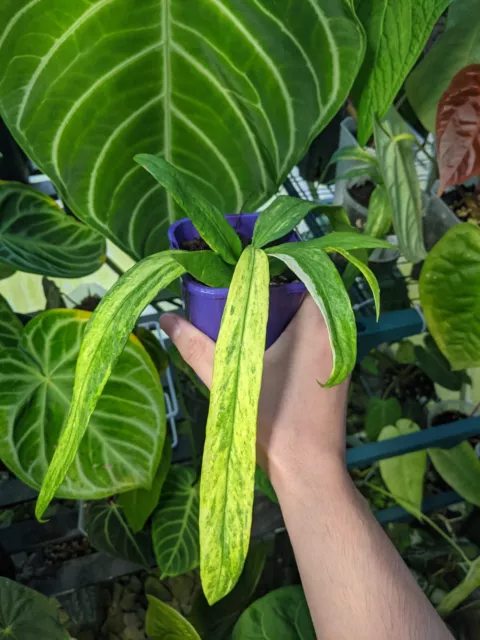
<point x="208" y="220"/>
<point x="347" y="240"/>
<point x="103" y="342"/>
<point x="228" y="470"/>
<point x="280" y="218"/>
<point x="318" y="273"/>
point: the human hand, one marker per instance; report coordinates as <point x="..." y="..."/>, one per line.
<point x="298" y="420"/>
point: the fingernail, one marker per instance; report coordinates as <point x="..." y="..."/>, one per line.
<point x="171" y="324"/>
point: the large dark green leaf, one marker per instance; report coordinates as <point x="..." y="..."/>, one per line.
<point x="281" y="614"/>
<point x="11" y="328"/>
<point x="280" y="218"/>
<point x="39" y="237"/>
<point x="381" y="413"/>
<point x="397" y="32"/>
<point x="103" y="342"/>
<point x="175" y="524"/>
<point x="460" y="468"/>
<point x="124" y="439"/>
<point x="27" y="615"/>
<point x="164" y="622"/>
<point x="431" y="360"/>
<point x="6" y="271"/>
<point x="462" y="591"/>
<point x="457" y="48"/>
<point x="228" y="469"/>
<point x="397" y="165"/>
<point x="230" y="91"/>
<point x="450" y="295"/>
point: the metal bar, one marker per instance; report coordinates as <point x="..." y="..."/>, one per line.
<point x="390" y="327"/>
<point x="398" y="514"/>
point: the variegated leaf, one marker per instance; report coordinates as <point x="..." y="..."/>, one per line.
<point x="280" y="218"/>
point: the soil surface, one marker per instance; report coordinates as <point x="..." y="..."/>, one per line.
<point x="362" y="193"/>
<point x="448" y="416"/>
<point x="465" y="203"/>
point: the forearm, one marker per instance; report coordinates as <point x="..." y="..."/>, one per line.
<point x="356" y="584"/>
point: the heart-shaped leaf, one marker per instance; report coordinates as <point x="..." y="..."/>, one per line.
<point x="165" y="622"/>
<point x="38" y="237"/>
<point x="280" y="218"/>
<point x="125" y="436"/>
<point x="458" y="129"/>
<point x="11" y="328"/>
<point x="230" y="93"/>
<point x="460" y="468"/>
<point x="450" y="295"/>
<point x="381" y="413"/>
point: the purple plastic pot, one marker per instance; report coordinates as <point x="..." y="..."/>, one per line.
<point x="204" y="305"/>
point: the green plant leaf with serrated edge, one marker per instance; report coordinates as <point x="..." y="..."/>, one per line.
<point x="404" y="475"/>
<point x="401" y="183"/>
<point x="228" y="469"/>
<point x="163" y="622"/>
<point x="461" y="591"/>
<point x="396" y="35"/>
<point x="460" y="468"/>
<point x="381" y="413"/>
<point x="11" y="328"/>
<point x="103" y="342"/>
<point x="450" y="295"/>
<point x="318" y="273"/>
<point x="206" y="218"/>
<point x="206" y="267"/>
<point x="138" y="505"/>
<point x="380" y="214"/>
<point x="279" y="218"/>
<point x="175" y="523"/>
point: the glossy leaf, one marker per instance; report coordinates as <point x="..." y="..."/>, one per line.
<point x="436" y="366"/>
<point x="315" y="269"/>
<point x="279" y="218"/>
<point x="462" y="591"/>
<point x="396" y="35"/>
<point x="11" y="328"/>
<point x="280" y="614"/>
<point x="457" y="47"/>
<point x="206" y="218"/>
<point x="380" y="214"/>
<point x="108" y="531"/>
<point x="206" y="267"/>
<point x="354" y="153"/>
<point x="138" y="505"/>
<point x="460" y="468"/>
<point x="163" y="622"/>
<point x="228" y="468"/>
<point x="103" y="342"/>
<point x="450" y="295"/>
<point x="124" y="438"/>
<point x="38" y="237"/>
<point x="231" y="92"/>
<point x="404" y="475"/>
<point x="401" y="182"/>
<point x="175" y="524"/>
<point x="458" y="129"/>
<point x="26" y="614"/>
<point x="381" y="413"/>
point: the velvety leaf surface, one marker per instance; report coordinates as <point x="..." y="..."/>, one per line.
<point x="381" y="413"/>
<point x="175" y="524"/>
<point x="103" y="342"/>
<point x="228" y="468"/>
<point x="450" y="295"/>
<point x="458" y="129"/>
<point x="280" y="614"/>
<point x="38" y="237"/>
<point x="124" y="439"/>
<point x="462" y="591"/>
<point x="231" y="92"/>
<point x="396" y="35"/>
<point x="460" y="468"/>
<point x="163" y="622"/>
<point x="206" y="267"/>
<point x="279" y="218"/>
<point x="11" y="328"/>
<point x="431" y="360"/>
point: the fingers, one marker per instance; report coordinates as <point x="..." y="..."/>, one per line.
<point x="195" y="347"/>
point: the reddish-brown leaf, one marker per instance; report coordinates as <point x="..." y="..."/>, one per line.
<point x="458" y="129"/>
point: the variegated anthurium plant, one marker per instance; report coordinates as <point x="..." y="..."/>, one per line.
<point x="228" y="470"/>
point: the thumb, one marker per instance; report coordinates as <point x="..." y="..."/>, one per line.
<point x="195" y="347"/>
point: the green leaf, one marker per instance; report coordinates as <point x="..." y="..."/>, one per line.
<point x="337" y="217"/>
<point x="406" y="352"/>
<point x="315" y="269"/>
<point x="346" y="240"/>
<point x="263" y="483"/>
<point x="228" y="469"/>
<point x="401" y="182"/>
<point x="38" y="237"/>
<point x="450" y="295"/>
<point x="180" y="364"/>
<point x="108" y="531"/>
<point x="206" y="267"/>
<point x="103" y="342"/>
<point x="138" y="505"/>
<point x="26" y="614"/>
<point x="153" y="347"/>
<point x="53" y="295"/>
<point x="6" y="271"/>
<point x="380" y="214"/>
<point x="175" y="524"/>
<point x="125" y="436"/>
<point x="11" y="328"/>
<point x="280" y="614"/>
<point x="404" y="475"/>
<point x="460" y="468"/>
<point x="207" y="219"/>
<point x="354" y="153"/>
<point x="396" y="35"/>
<point x="457" y="48"/>
<point x="164" y="622"/>
<point x="462" y="591"/>
<point x="232" y="93"/>
<point x="436" y="366"/>
<point x="279" y="218"/>
<point x="381" y="413"/>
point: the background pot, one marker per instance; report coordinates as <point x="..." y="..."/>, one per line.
<point x="204" y="305"/>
